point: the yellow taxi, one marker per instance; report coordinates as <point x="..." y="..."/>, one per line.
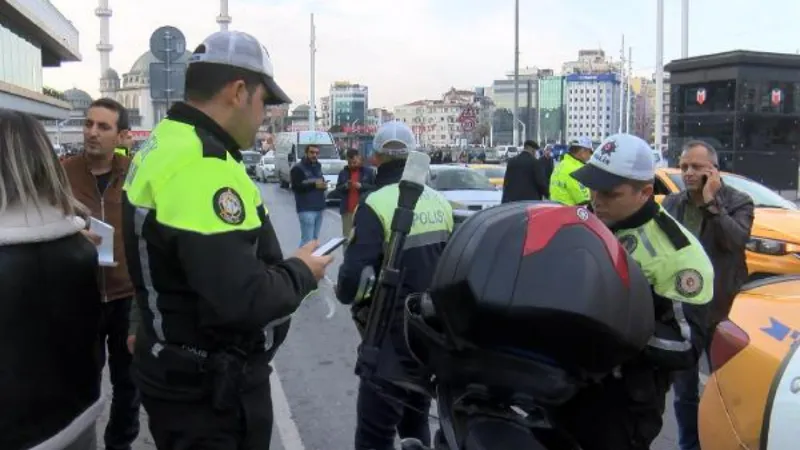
<point x="774" y="246"/>
<point x="746" y="353"/>
<point x="495" y="173"/>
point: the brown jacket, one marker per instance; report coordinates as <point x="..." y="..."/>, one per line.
<point x="115" y="283"/>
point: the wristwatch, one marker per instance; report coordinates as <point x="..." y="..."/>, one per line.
<point x="712" y="206"/>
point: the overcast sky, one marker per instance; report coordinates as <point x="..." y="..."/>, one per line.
<point x="413" y="49"/>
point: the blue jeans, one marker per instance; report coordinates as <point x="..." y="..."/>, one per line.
<point x="686" y="386"/>
<point x="310" y="224"/>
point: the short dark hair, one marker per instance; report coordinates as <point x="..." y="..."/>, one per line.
<point x="205" y="80"/>
<point x="123" y="119"/>
<point x="352" y="153"/>
<point x="530" y="143"/>
<point x="712" y="152"/>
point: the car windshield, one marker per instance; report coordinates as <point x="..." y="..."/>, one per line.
<point x="460" y="179"/>
<point x="332" y="168"/>
<point x="763" y="197"/>
<point x="250" y="157"/>
<point x="492" y="172"/>
<point x="326" y="151"/>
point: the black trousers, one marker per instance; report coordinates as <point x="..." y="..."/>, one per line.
<point x="382" y="416"/>
<point x="179" y="425"/>
<point x="123" y="424"/>
<point x="606" y="416"/>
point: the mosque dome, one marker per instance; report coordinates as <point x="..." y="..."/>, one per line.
<point x="111" y="74"/>
<point x="77" y="96"/>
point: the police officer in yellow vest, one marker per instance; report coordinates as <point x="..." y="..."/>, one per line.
<point x="214" y="294"/>
<point x="386" y="410"/>
<point x="624" y="411"/>
<point x="563" y="188"/>
<point x="124" y="148"/>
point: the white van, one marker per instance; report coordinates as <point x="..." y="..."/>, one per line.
<point x="290" y="147"/>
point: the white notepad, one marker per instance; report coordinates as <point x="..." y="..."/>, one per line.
<point x="105" y="251"/>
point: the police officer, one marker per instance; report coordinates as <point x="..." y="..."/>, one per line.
<point x="563" y="188"/>
<point x="124" y="149"/>
<point x="384" y="409"/>
<point x="214" y="293"/>
<point x="624" y="411"/>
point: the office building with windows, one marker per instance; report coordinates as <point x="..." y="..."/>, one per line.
<point x="348" y="104"/>
<point x="33" y="35"/>
<point x="747" y="105"/>
<point x="551" y="109"/>
<point x="592" y="105"/>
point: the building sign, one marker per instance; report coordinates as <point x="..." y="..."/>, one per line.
<point x="140" y="134"/>
<point x="776" y="97"/>
<point x="701" y="96"/>
<point x="602" y="77"/>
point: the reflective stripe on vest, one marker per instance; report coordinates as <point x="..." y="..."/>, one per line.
<point x="433" y="215"/>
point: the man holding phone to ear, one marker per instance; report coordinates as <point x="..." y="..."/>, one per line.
<point x="721" y="218"/>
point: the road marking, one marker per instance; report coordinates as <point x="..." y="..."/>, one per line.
<point x="287" y="428"/>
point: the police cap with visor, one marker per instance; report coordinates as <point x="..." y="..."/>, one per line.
<point x="620" y="158"/>
<point x="238" y="49"/>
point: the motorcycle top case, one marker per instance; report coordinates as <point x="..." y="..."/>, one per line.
<point x="546" y="281"/>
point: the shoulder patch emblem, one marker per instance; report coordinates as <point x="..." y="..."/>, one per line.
<point x="629" y="243"/>
<point x="228" y="206"/>
<point x="583" y="214"/>
<point x="689" y="282"/>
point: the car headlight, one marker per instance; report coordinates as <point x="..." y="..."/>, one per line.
<point x="770" y="246"/>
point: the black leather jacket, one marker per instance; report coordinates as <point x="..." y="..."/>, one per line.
<point x="723" y="236"/>
<point x="49" y="318"/>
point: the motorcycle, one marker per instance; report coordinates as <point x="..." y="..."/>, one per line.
<point x="506" y="334"/>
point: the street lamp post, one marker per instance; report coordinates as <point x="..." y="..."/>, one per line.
<point x="515" y="137"/>
<point x="523" y="128"/>
<point x="659" y="131"/>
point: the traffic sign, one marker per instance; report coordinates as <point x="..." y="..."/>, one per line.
<point x="167" y="44"/>
<point x="468" y="125"/>
<point x="167" y="81"/>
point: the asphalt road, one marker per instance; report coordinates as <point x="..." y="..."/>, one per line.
<point x="314" y="388"/>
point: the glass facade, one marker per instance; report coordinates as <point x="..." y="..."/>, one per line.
<point x="346" y="109"/>
<point x="20" y="59"/>
<point x="551" y="102"/>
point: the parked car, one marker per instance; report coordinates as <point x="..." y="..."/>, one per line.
<point x="265" y="169"/>
<point x="250" y="159"/>
<point x="774" y="247"/>
<point x="747" y="354"/>
<point x="464" y="188"/>
<point x="494" y="172"/>
<point x="330" y="171"/>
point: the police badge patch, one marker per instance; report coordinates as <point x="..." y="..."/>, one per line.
<point x="689" y="282"/>
<point x="228" y="206"/>
<point x="629" y="243"/>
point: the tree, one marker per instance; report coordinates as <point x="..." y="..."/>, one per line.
<point x="335" y="129"/>
<point x="481" y="132"/>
